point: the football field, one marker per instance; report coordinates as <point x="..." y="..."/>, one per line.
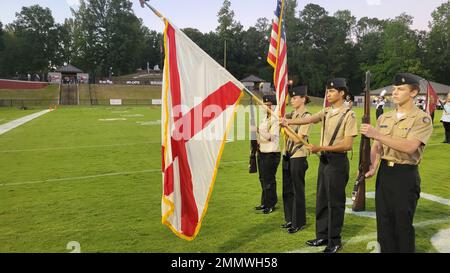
<point x="91" y="177"/>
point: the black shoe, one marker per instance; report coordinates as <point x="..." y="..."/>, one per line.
<point x="317" y="242"/>
<point x="268" y="210"/>
<point x="260" y="207"/>
<point x="295" y="229"/>
<point x="286" y="225"/>
<point x="332" y="249"/>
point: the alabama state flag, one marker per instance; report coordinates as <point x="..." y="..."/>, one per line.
<point x="198" y="104"/>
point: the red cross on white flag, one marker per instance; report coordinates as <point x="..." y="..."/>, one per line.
<point x="199" y="99"/>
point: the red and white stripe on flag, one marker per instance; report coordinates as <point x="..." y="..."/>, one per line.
<point x="277" y="58"/>
<point x="326" y="103"/>
<point x="199" y="100"/>
<point x="432" y="99"/>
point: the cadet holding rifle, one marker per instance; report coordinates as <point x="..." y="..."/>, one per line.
<point x="400" y="138"/>
<point x="338" y="130"/>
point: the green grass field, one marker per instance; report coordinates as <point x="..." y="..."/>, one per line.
<point x="75" y="175"/>
<point x="8" y="114"/>
<point x="130" y="92"/>
<point x="50" y="92"/>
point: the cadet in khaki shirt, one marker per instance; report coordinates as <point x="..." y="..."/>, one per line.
<point x="339" y="129"/>
<point x="295" y="164"/>
<point x="268" y="157"/>
<point x="400" y="137"/>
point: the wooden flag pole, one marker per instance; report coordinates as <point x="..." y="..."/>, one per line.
<point x="258" y="100"/>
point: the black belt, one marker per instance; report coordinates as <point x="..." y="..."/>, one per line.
<point x="326" y="156"/>
<point x="335" y="153"/>
<point x="392" y="164"/>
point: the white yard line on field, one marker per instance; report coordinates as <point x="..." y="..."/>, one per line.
<point x="441" y="241"/>
<point x="96" y="176"/>
<point x="16" y="123"/>
<point x="423" y="195"/>
<point x="373" y="237"/>
<point x="79" y="147"/>
<point x="435" y="198"/>
<point x="77" y="178"/>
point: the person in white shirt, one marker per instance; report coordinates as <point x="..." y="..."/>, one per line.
<point x="268" y="157"/>
<point x="349" y="99"/>
<point x="380" y="106"/>
<point x="446" y="118"/>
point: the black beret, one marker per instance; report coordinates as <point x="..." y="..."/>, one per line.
<point x="406" y="78"/>
<point x="299" y="91"/>
<point x="337" y="83"/>
<point x="270" y="98"/>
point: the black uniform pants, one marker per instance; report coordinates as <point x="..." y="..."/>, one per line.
<point x="294" y="170"/>
<point x="379" y="112"/>
<point x="267" y="166"/>
<point x="447" y="131"/>
<point x="330" y="203"/>
<point x="397" y="192"/>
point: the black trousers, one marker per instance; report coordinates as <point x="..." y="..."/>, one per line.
<point x="379" y="112"/>
<point x="267" y="166"/>
<point x="294" y="170"/>
<point x="447" y="131"/>
<point x="397" y="192"/>
<point x="331" y="182"/>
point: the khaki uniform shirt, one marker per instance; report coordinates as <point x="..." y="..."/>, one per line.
<point x="348" y="126"/>
<point x="301" y="130"/>
<point x="269" y="135"/>
<point x="413" y="125"/>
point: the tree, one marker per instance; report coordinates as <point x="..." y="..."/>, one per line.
<point x="290" y="22"/>
<point x="346" y="23"/>
<point x="227" y="25"/>
<point x="110" y="37"/>
<point x="2" y="45"/>
<point x="229" y="32"/>
<point x="324" y="48"/>
<point x="66" y="50"/>
<point x="153" y="47"/>
<point x="366" y="26"/>
<point x="368" y="34"/>
<point x="399" y="52"/>
<point x="437" y="45"/>
<point x="36" y="34"/>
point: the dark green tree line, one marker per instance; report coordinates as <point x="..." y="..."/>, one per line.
<point x="105" y="37"/>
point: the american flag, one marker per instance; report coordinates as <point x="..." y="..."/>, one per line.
<point x="277" y="58"/>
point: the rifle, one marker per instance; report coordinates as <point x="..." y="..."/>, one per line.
<point x="254" y="147"/>
<point x="359" y="190"/>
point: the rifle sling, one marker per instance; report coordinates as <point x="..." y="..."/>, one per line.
<point x="296" y="131"/>
<point x="333" y="138"/>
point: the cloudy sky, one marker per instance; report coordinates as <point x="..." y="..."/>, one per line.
<point x="202" y="14"/>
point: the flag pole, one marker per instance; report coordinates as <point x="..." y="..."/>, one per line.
<point x="155" y="11"/>
<point x="260" y="102"/>
<point x="250" y="93"/>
